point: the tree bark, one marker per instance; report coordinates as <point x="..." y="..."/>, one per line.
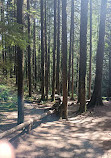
<point x="42" y="53"/>
<point x="90" y="62"/>
<point x="16" y="71"/>
<point x="69" y="71"/>
<point x="15" y="49"/>
<point x="58" y="50"/>
<point x="96" y="98"/>
<point x="29" y="49"/>
<point x="46" y="54"/>
<point x="49" y="51"/>
<point x="109" y="87"/>
<point x="72" y="47"/>
<point x="54" y="51"/>
<point x="64" y="59"/>
<point x="83" y="50"/>
<point x="2" y="19"/>
<point x="20" y="68"/>
<point x="35" y="58"/>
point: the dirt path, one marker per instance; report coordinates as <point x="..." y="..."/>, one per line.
<point x="8" y="119"/>
<point x="83" y="136"/>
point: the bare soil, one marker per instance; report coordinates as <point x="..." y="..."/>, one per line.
<point x="83" y="136"/>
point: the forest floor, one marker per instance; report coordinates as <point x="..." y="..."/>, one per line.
<point x="83" y="136"/>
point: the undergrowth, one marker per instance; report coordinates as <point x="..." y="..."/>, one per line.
<point x="8" y="98"/>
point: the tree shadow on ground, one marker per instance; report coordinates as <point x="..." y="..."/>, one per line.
<point x="58" y="140"/>
<point x="53" y="138"/>
<point x="84" y="136"/>
<point x="6" y="107"/>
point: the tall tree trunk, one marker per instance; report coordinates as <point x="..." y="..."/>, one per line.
<point x="54" y="51"/>
<point x="5" y="59"/>
<point x="109" y="87"/>
<point x="38" y="53"/>
<point x="9" y="48"/>
<point x="15" y="49"/>
<point x="33" y="66"/>
<point x="69" y="71"/>
<point x="10" y="57"/>
<point x="3" y="56"/>
<point x="49" y="51"/>
<point x="29" y="49"/>
<point x="42" y="53"/>
<point x="90" y="62"/>
<point x="96" y="98"/>
<point x="35" y="56"/>
<point x="26" y="65"/>
<point x="64" y="59"/>
<point x="72" y="47"/>
<point x="77" y="74"/>
<point x="16" y="71"/>
<point x="58" y="50"/>
<point x="2" y="19"/>
<point x="46" y="55"/>
<point x="71" y="53"/>
<point x="83" y="50"/>
<point x="20" y="68"/>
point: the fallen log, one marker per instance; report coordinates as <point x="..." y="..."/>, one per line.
<point x="28" y="125"/>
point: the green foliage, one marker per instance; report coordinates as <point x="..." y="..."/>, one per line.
<point x="4" y="93"/>
<point x="6" y="65"/>
<point x="4" y="96"/>
<point x="13" y="35"/>
<point x="8" y="99"/>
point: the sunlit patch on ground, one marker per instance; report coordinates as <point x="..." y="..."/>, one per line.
<point x="82" y="136"/>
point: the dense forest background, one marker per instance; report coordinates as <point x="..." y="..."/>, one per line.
<point x="50" y="47"/>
